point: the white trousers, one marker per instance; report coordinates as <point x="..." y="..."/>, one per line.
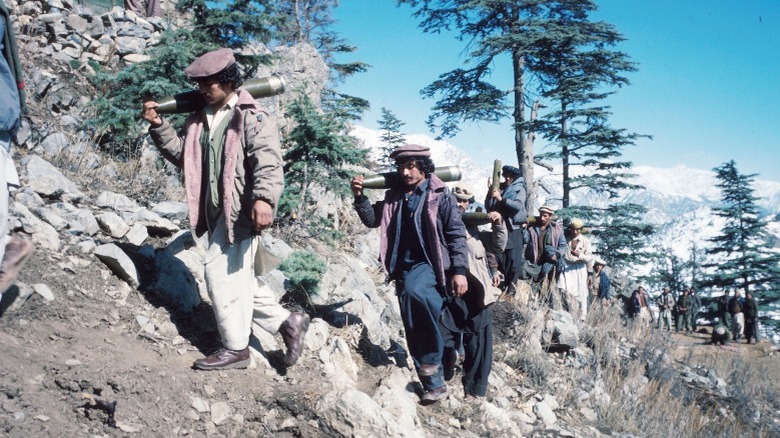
<point x="237" y="295"/>
<point x="737" y="324"/>
<point x="574" y="280"/>
<point x="8" y="177"/>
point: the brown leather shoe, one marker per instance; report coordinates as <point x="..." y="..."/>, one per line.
<point x="224" y="359"/>
<point x="17" y="251"/>
<point x="292" y="332"/>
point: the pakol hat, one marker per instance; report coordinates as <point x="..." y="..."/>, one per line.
<point x="576" y="224"/>
<point x="410" y="150"/>
<point x="210" y="64"/>
<point x="546" y="209"/>
<point x="511" y="171"/>
<point x="463" y="191"/>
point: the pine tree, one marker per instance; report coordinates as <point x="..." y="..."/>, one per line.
<point x="667" y="269"/>
<point x="620" y="234"/>
<point x="494" y="30"/>
<point x="577" y="68"/>
<point x="741" y="256"/>
<point x="390" y="127"/>
<point x="317" y="148"/>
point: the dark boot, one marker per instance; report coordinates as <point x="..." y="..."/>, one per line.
<point x="293" y="331"/>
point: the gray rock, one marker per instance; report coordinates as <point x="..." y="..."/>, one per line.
<point x="349" y="412"/>
<point x="50" y="18"/>
<point x="338" y="364"/>
<point x="86" y="246"/>
<point x="117" y="202"/>
<point x="50" y="217"/>
<point x="345" y="282"/>
<point x="118" y="262"/>
<point x="589" y="414"/>
<point x="44" y="291"/>
<point x="77" y="23"/>
<point x="220" y="412"/>
<point x="82" y="221"/>
<point x="43" y="234"/>
<point x="28" y="198"/>
<point x="154" y="223"/>
<point x="561" y="330"/>
<point x="278" y="247"/>
<point x="112" y="224"/>
<point x="55" y="143"/>
<point x="317" y="336"/>
<point x="48" y="181"/>
<point x="137" y="234"/>
<point x="200" y="405"/>
<point x="545" y="413"/>
<point x="135" y="58"/>
<point x="171" y="210"/>
<point x="395" y="398"/>
<point x="499" y="420"/>
<point x="24" y="134"/>
<point x="126" y="45"/>
<point x="145" y="324"/>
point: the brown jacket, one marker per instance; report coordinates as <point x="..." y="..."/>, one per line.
<point x="252" y="164"/>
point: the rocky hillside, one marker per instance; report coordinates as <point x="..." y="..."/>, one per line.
<point x="100" y="331"/>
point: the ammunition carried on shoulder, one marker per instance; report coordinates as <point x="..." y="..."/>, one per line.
<point x="191" y="101"/>
<point x="389" y="179"/>
<point x="475" y="218"/>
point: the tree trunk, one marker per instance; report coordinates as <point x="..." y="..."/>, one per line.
<point x="565" y="156"/>
<point x="524" y="140"/>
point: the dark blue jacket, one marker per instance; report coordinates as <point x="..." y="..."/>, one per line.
<point x="604" y="292"/>
<point x="512" y="205"/>
<point x="10" y="103"/>
<point x="440" y="229"/>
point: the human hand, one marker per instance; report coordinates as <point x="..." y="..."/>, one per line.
<point x="150" y="114"/>
<point x="494" y="217"/>
<point x="459" y="285"/>
<point x="262" y="214"/>
<point x="357" y="186"/>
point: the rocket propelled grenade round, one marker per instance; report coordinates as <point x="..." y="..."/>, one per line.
<point x="386" y="180"/>
<point x="475" y="218"/>
<point x="191" y="101"/>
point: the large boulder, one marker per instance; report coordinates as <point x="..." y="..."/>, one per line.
<point x="561" y="330"/>
<point x="48" y="181"/>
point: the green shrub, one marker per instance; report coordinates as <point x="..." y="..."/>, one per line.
<point x="304" y="270"/>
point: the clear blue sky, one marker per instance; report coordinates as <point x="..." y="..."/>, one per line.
<point x="707" y="88"/>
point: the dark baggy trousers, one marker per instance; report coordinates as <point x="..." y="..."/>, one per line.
<point x="478" y="360"/>
<point x="511" y="261"/>
<point x="421" y="305"/>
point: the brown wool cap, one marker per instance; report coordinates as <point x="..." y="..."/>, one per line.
<point x="210" y="64"/>
<point x="546" y="209"/>
<point x="410" y="150"/>
<point x="463" y="191"/>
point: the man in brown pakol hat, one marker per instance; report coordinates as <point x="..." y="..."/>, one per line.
<point x="232" y="165"/>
